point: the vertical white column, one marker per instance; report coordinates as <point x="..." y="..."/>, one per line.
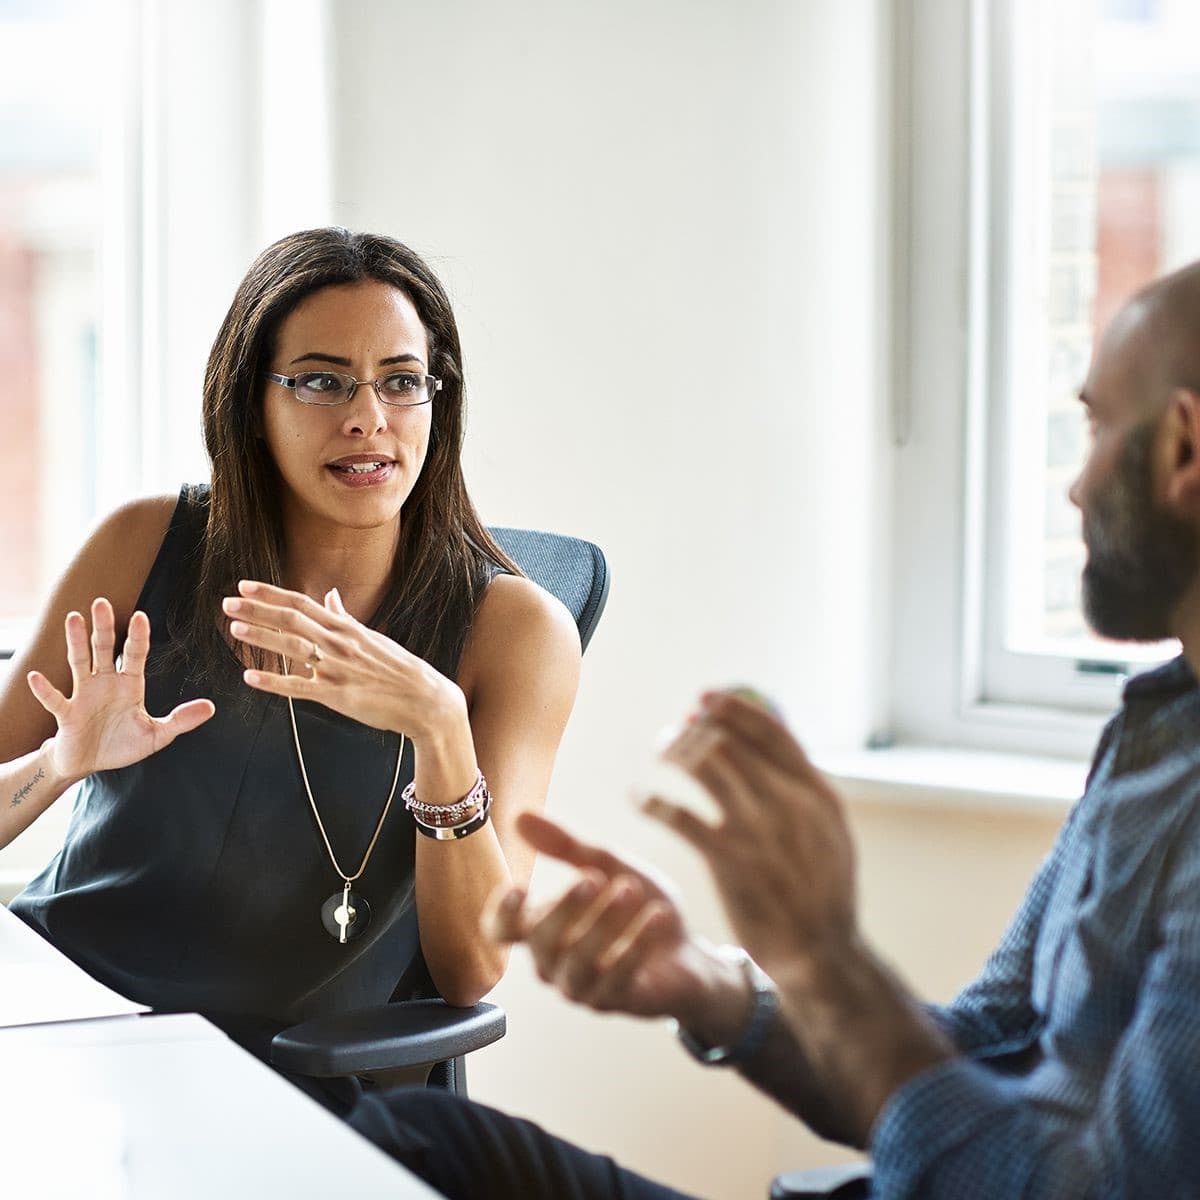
<point x="296" y="89"/>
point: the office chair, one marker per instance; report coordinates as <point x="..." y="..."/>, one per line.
<point x="391" y="1041"/>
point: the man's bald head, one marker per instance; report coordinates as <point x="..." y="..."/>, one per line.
<point x="1157" y="338"/>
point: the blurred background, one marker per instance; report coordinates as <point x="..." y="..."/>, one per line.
<point x="784" y="303"/>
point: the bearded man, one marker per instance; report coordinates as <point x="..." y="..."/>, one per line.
<point x="1069" y="1068"/>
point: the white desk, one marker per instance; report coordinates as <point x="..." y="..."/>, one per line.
<point x="41" y="985"/>
<point x="164" y="1108"/>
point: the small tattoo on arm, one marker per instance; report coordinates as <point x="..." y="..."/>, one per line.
<point x="21" y="793"/>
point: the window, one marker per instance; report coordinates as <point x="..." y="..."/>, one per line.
<point x="1046" y="155"/>
<point x="51" y="212"/>
<point x="135" y="186"/>
<point x="1100" y="156"/>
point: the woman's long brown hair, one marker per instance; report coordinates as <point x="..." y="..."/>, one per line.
<point x="445" y="556"/>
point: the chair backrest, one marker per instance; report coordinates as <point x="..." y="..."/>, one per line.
<point x="577" y="573"/>
<point x="382" y="1040"/>
<point x="573" y="570"/>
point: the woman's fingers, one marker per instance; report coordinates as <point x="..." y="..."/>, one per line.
<point x="79" y="652"/>
<point x="46" y="694"/>
<point x="277" y="608"/>
<point x="137" y="645"/>
<point x="282" y="618"/>
<point x="296" y="649"/>
<point x="104" y="637"/>
<point x="183" y="718"/>
<point x="297" y="686"/>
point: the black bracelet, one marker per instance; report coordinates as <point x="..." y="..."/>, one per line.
<point x="451" y="833"/>
<point x="754" y="1034"/>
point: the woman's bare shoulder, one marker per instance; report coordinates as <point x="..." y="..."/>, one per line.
<point x="117" y="556"/>
<point x="519" y="626"/>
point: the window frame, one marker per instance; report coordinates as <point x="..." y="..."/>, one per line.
<point x="952" y="130"/>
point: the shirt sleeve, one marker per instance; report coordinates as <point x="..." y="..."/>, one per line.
<point x="994" y="1012"/>
<point x="960" y="1129"/>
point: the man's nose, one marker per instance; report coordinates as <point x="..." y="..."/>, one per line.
<point x="1073" y="492"/>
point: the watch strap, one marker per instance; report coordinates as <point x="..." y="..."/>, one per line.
<point x="765" y="1004"/>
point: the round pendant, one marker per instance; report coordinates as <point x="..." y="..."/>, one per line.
<point x="345" y="915"/>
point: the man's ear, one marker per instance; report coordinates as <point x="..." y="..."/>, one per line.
<point x="1181" y="434"/>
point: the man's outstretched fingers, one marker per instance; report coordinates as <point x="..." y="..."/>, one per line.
<point x="750" y="722"/>
<point x="682" y="820"/>
<point x="721" y="778"/>
<point x="548" y="837"/>
<point x="586" y="943"/>
<point x="502" y="919"/>
<point x="626" y="956"/>
<point x="546" y="932"/>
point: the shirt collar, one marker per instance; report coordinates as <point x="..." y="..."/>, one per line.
<point x="1169" y="678"/>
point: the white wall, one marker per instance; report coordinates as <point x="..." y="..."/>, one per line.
<point x="631" y="202"/>
<point x="661" y="224"/>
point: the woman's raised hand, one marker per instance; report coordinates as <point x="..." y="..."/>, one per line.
<point x="104" y="723"/>
<point x="338" y="661"/>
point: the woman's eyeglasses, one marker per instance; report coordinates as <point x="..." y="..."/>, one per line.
<point x="401" y="389"/>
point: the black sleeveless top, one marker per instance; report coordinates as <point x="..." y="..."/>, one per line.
<point x="194" y="879"/>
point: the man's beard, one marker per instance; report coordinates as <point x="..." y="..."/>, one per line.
<point x="1141" y="559"/>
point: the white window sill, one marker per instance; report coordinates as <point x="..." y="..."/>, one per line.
<point x="930" y="776"/>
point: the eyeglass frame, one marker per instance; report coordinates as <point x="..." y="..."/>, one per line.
<point x="433" y="385"/>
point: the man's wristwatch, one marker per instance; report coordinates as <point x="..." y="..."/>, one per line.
<point x="754" y="1033"/>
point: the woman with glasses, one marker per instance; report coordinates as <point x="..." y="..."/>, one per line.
<point x="291" y="696"/>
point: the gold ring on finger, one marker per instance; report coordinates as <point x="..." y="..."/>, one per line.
<point x="312" y="660"/>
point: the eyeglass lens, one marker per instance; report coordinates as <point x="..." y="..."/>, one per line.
<point x="329" y="387"/>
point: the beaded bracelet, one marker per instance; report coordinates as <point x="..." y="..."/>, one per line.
<point x="445" y="814"/>
<point x="450" y="821"/>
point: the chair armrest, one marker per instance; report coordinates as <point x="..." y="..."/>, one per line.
<point x="849" y="1180"/>
<point x="414" y="1033"/>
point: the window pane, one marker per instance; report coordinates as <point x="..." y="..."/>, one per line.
<point x="51" y="110"/>
<point x="1107" y="174"/>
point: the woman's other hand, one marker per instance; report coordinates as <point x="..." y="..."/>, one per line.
<point x="341" y="663"/>
<point x="104" y="723"/>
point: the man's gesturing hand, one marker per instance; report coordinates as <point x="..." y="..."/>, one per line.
<point x="780" y="853"/>
<point x="615" y="940"/>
